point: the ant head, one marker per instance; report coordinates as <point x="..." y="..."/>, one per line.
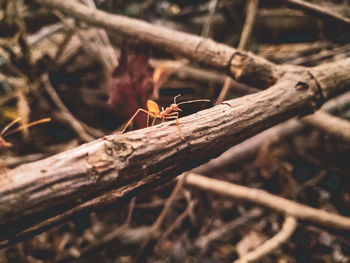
<point x="174" y="107"/>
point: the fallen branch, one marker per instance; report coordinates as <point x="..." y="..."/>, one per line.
<point x="245" y="66"/>
<point x="249" y="148"/>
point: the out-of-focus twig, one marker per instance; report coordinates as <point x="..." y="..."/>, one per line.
<point x="225" y="88"/>
<point x="330" y="124"/>
<point x="155" y="229"/>
<point x="205" y="240"/>
<point x="318" y="11"/>
<point x="248" y="24"/>
<point x="208" y="21"/>
<point x="274" y="202"/>
<point x="169" y="202"/>
<point x="270" y="245"/>
<point x="74" y="123"/>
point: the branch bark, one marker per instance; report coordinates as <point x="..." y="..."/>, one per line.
<point x="249" y="148"/>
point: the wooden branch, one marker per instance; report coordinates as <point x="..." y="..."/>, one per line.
<point x="249" y="148"/>
<point x="245" y="66"/>
<point x="103" y="171"/>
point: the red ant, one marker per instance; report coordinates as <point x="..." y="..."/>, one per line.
<point x="3" y="143"/>
<point x="171" y="112"/>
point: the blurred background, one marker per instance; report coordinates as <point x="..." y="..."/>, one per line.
<point x="90" y="83"/>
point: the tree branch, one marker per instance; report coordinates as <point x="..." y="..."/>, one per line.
<point x="127" y="162"/>
<point x="245" y="66"/>
<point x="249" y="148"/>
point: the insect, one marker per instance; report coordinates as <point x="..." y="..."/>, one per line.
<point x="171" y="112"/>
<point x="5" y="144"/>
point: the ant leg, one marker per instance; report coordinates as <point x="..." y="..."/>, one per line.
<point x="133" y="117"/>
<point x="147" y="119"/>
<point x="172" y="116"/>
<point x="154" y="120"/>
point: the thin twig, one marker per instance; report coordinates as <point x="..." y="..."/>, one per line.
<point x="274" y="202"/>
<point x="318" y="11"/>
<point x="208" y="21"/>
<point x="203" y="242"/>
<point x="248" y="24"/>
<point x="107" y="53"/>
<point x="178" y="220"/>
<point x="155" y="229"/>
<point x="225" y="88"/>
<point x="270" y="245"/>
<point x="169" y="202"/>
<point x="330" y="124"/>
<point x="74" y="123"/>
<point x="130" y="211"/>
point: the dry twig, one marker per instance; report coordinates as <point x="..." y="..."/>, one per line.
<point x="330" y="124"/>
<point x="270" y="245"/>
<point x="318" y="11"/>
<point x="260" y="197"/>
<point x="71" y="120"/>
<point x="248" y="24"/>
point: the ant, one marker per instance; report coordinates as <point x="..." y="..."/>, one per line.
<point x="171" y="112"/>
<point x="5" y="144"/>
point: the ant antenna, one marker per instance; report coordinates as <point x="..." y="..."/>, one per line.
<point x="176" y="97"/>
<point x="8" y="126"/>
<point x="190" y="101"/>
<point x="22" y="127"/>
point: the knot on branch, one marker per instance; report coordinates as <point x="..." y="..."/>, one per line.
<point x="108" y="156"/>
<point x="306" y="85"/>
<point x="253" y="70"/>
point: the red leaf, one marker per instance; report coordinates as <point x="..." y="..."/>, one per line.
<point x="131" y="84"/>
